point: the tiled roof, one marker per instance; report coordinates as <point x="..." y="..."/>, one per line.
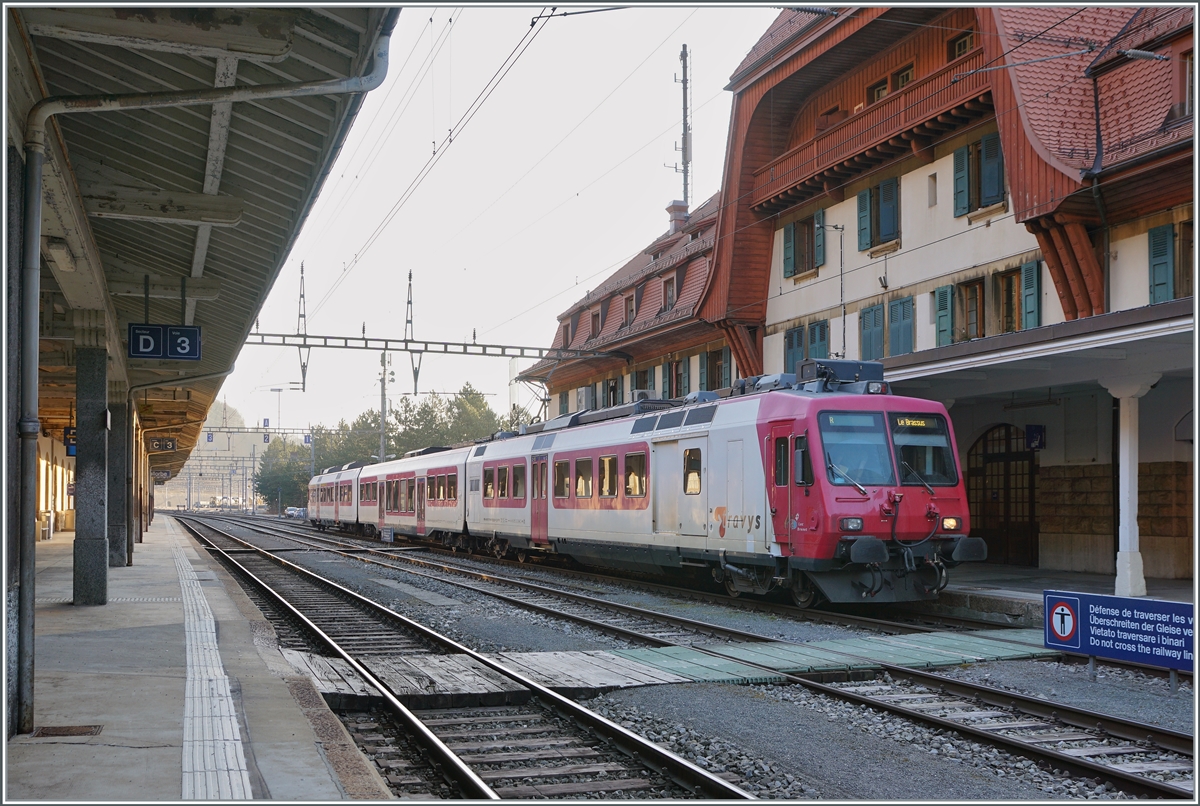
<point x="1057" y="97"/>
<point x="673" y="246"/>
<point x="786" y="25"/>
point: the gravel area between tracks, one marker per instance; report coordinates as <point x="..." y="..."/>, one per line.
<point x="1122" y="692"/>
<point x="823" y="746"/>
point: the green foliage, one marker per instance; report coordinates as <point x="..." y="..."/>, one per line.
<point x="436" y="420"/>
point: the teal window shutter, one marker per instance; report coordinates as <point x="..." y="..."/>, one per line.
<point x="1162" y="263"/>
<point x="726" y="370"/>
<point x="793" y="348"/>
<point x="703" y="387"/>
<point x="871" y="326"/>
<point x="789" y="250"/>
<point x="620" y="389"/>
<point x="962" y="191"/>
<point x="666" y="381"/>
<point x="864" y="220"/>
<point x="944" y="310"/>
<point x="1031" y="295"/>
<point x="900" y="325"/>
<point x="889" y="210"/>
<point x="818" y="339"/>
<point x="819" y="238"/>
<point x="991" y="170"/>
<point x="687" y="368"/>
<point x="650" y="378"/>
<point x="563" y="404"/>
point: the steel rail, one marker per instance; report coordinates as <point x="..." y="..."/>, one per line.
<point x="1116" y="726"/>
<point x="472" y="785"/>
<point x="678" y="769"/>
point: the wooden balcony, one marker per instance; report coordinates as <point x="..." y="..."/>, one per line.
<point x="904" y="122"/>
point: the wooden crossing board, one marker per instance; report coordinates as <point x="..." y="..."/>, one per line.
<point x="697" y="667"/>
<point x="444" y="681"/>
<point x="340" y="685"/>
<point x="581" y="674"/>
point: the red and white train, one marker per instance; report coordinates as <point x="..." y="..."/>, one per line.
<point x="827" y="485"/>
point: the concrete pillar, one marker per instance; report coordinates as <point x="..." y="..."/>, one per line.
<point x="118" y="451"/>
<point x="90" y="580"/>
<point x="1131" y="581"/>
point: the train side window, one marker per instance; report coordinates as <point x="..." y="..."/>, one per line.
<point x="562" y="479"/>
<point x="502" y="482"/>
<point x="583" y="478"/>
<point x="412" y="495"/>
<point x="608" y="476"/>
<point x="489" y="482"/>
<point x="803" y="470"/>
<point x="781" y="461"/>
<point x="452" y="487"/>
<point x="635" y="475"/>
<point x="441" y="488"/>
<point x="691" y="471"/>
<point x="518" y="484"/>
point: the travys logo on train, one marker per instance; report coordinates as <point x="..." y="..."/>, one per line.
<point x="727" y="521"/>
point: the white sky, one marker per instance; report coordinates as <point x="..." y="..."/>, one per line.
<point x="555" y="183"/>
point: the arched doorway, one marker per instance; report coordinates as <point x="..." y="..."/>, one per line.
<point x="1001" y="478"/>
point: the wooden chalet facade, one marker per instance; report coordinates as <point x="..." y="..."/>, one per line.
<point x="998" y="204"/>
<point x="644" y="314"/>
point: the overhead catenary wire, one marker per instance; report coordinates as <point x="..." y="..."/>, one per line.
<point x="522" y="45"/>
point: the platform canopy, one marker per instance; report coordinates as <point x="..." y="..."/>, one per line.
<point x="198" y="204"/>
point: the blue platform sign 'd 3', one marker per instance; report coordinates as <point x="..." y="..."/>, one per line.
<point x="183" y="343"/>
<point x="147" y="341"/>
<point x="1150" y="632"/>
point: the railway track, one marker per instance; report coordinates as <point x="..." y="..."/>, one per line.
<point x="1138" y="758"/>
<point x="545" y="727"/>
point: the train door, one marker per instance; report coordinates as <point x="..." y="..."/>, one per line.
<point x="421" y="505"/>
<point x="778" y="451"/>
<point x="666" y="465"/>
<point x="539" y="504"/>
<point x="693" y="495"/>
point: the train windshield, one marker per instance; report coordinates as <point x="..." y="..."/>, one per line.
<point x="856" y="448"/>
<point x="923" y="449"/>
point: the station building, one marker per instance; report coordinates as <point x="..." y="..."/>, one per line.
<point x="645" y="315"/>
<point x="160" y="164"/>
<point x="997" y="203"/>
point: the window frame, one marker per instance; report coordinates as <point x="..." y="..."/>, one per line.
<point x="669" y="293"/>
<point x="640" y="475"/>
<point x="596" y="326"/>
<point x="954" y="52"/>
<point x="1009" y="298"/>
<point x="688" y="472"/>
<point x="563" y="465"/>
<point x="978" y="286"/>
<point x="502" y="474"/>
<point x="874" y="95"/>
<point x="611" y="464"/>
<point x="578" y="465"/>
<point x="488" y="488"/>
<point x="898" y="79"/>
<point x="630" y="310"/>
<point x="871" y="210"/>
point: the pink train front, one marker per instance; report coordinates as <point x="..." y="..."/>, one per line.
<point x="826" y="485"/>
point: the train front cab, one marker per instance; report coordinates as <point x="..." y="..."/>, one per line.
<point x="866" y="493"/>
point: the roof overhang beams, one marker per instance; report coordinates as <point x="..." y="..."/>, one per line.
<point x="253" y="34"/>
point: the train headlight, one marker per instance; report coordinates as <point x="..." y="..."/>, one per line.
<point x="851" y="524"/>
<point x="951" y="524"/>
<point x="876" y="388"/>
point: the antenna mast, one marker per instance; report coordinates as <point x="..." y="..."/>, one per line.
<point x="414" y="358"/>
<point x="686" y="148"/>
<point x="302" y="330"/>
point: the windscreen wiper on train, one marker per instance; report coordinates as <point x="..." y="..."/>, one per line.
<point x="910" y="469"/>
<point x="842" y="472"/>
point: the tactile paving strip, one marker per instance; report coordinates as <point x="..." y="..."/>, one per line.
<point x="214" y="765"/>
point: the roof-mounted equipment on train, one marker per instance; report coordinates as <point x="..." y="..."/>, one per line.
<point x="853" y="377"/>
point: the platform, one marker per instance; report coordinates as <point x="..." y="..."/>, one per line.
<point x="1012" y="594"/>
<point x="169" y="691"/>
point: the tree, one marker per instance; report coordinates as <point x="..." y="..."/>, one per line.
<point x="282" y="474"/>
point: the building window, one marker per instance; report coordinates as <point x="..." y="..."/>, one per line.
<point x="668" y="293"/>
<point x="818" y="339"/>
<point x="614" y="391"/>
<point x="564" y="405"/>
<point x="793" y="349"/>
<point x="1189" y="81"/>
<point x="879" y="214"/>
<point x="1162" y="263"/>
<point x="932" y="190"/>
<point x="877" y="92"/>
<point x="643" y="379"/>
<point x="804" y="245"/>
<point x="566" y="335"/>
<point x="714" y="369"/>
<point x="978" y="175"/>
<point x="960" y="46"/>
<point x="1183" y="266"/>
<point x="595" y="324"/>
<point x="1010" y="301"/>
<point x="870" y="322"/>
<point x="630" y="311"/>
<point x="902" y="77"/>
<point x="972" y="300"/>
<point x="900" y="326"/>
<point x="675" y="378"/>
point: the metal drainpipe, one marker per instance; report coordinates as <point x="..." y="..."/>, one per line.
<point x="35" y="150"/>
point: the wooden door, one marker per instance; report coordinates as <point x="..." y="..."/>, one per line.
<point x="1001" y="479"/>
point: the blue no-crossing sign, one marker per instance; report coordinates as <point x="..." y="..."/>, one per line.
<point x="1151" y="632"/>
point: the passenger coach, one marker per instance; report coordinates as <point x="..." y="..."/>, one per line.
<point x="827" y="485"/>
